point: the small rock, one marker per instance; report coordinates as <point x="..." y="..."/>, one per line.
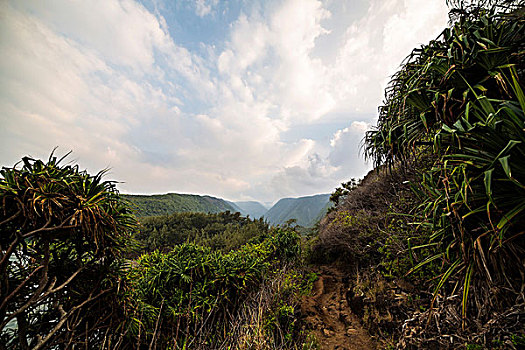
<point x="327" y="332"/>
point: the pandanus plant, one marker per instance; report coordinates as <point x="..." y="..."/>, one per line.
<point x="437" y="80"/>
<point x="474" y="197"/>
<point x="461" y="98"/>
<point x="61" y="234"/>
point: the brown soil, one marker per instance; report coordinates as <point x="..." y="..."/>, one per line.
<point x="329" y="317"/>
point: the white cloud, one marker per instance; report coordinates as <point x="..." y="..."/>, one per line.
<point x="374" y="47"/>
<point x="106" y="79"/>
<point x="270" y="53"/>
<point x="318" y="173"/>
<point x="204" y="7"/>
<point x="277" y="47"/>
<point x="120" y="32"/>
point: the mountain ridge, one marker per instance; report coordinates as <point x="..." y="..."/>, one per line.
<point x="169" y="203"/>
<point x="307" y="210"/>
<point x="254" y="209"/>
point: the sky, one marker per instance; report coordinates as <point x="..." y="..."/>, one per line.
<point x="239" y="99"/>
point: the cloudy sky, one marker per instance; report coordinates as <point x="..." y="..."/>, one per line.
<point x="240" y="99"/>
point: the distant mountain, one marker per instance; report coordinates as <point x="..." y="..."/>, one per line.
<point x="163" y="204"/>
<point x="306" y="210"/>
<point x="252" y="208"/>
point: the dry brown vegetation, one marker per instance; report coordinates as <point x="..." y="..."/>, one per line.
<point x="367" y="238"/>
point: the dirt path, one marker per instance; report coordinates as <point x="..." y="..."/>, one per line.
<point x="327" y="313"/>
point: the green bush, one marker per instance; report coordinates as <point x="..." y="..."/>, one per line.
<point x="178" y="295"/>
<point x="221" y="231"/>
<point x="461" y="97"/>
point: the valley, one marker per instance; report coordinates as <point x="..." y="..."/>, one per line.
<point x="306" y="211"/>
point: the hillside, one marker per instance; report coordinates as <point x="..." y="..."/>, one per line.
<point x="252" y="208"/>
<point x="165" y="204"/>
<point x="434" y="235"/>
<point x="306" y="210"/>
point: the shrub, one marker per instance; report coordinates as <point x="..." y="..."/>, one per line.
<point x="191" y="292"/>
<point x="221" y="231"/>
<point x="61" y="234"/>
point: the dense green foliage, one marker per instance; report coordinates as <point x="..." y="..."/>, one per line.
<point x="165" y="204"/>
<point x="456" y="109"/>
<point x="462" y="92"/>
<point x="305" y="210"/>
<point x="179" y="296"/>
<point x="62" y="232"/>
<point x="437" y="81"/>
<point x="67" y="281"/>
<point x="223" y="231"/>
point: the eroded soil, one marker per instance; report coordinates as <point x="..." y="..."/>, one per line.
<point x="328" y="315"/>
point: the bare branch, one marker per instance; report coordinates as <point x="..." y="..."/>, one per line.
<point x="45" y="228"/>
<point x="36" y="295"/>
<point x="7" y="254"/>
<point x="11" y="217"/>
<point x="64" y="317"/>
<point x="67" y="281"/>
<point x="17" y="289"/>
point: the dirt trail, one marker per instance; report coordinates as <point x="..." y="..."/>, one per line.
<point x="327" y="313"/>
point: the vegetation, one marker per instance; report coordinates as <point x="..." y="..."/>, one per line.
<point x="62" y="232"/>
<point x="341" y="193"/>
<point x="67" y="279"/>
<point x="463" y="93"/>
<point x="434" y="236"/>
<point x="190" y="294"/>
<point x="442" y="219"/>
<point x="166" y="204"/>
<point x="223" y="231"/>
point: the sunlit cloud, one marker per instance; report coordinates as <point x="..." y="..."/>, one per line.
<point x="242" y="100"/>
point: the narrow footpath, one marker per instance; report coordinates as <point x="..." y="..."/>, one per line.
<point x="327" y="313"/>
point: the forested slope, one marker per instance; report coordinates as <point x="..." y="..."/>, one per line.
<point x="165" y="204"/>
<point x="306" y="210"/>
<point x="222" y="231"/>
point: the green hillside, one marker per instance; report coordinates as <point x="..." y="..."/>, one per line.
<point x="165" y="204"/>
<point x="306" y="210"/>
